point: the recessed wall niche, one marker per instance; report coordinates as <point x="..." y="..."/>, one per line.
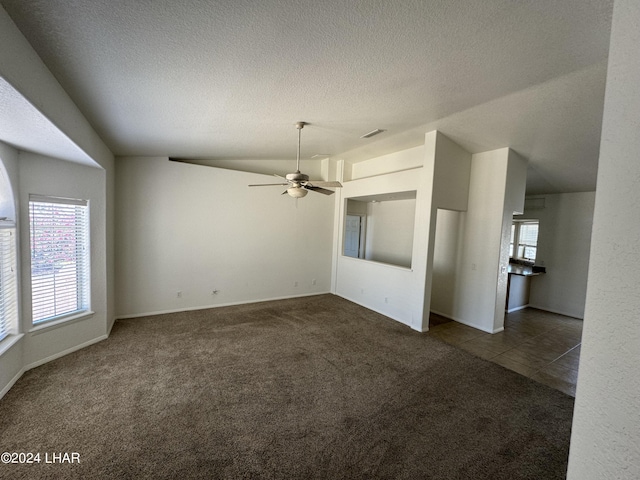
<point x="379" y="228"/>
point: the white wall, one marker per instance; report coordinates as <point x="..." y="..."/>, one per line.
<point x="46" y="176"/>
<point x="564" y="240"/>
<point x="449" y="189"/>
<point x="605" y="437"/>
<point x="392" y="162"/>
<point x="23" y="69"/>
<point x="445" y="261"/>
<point x="389" y="237"/>
<point x="442" y="182"/>
<point x="194" y="229"/>
<point x="391" y="290"/>
<point x="513" y="203"/>
<point x="496" y="190"/>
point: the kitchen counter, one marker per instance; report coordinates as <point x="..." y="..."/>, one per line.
<point x="519" y="285"/>
<point x="524" y="270"/>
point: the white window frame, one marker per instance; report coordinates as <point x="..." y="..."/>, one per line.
<point x="60" y="263"/>
<point x="8" y="279"/>
<point x="516" y="242"/>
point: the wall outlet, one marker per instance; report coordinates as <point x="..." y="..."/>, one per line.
<point x="473" y="266"/>
<point x="386" y="299"/>
<point x="313" y="282"/>
<point x="214" y="292"/>
<point x="295" y="284"/>
<point x="179" y="294"/>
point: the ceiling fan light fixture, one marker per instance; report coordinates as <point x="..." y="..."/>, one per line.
<point x="297" y="192"/>
<point x="299" y="183"/>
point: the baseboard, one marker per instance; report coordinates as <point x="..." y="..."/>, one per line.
<point x="11" y="383"/>
<point x="64" y="352"/>
<point x="559" y="312"/>
<point x="445" y="315"/>
<point x="468" y="324"/>
<point x="379" y="311"/>
<point x="206" y="307"/>
<point x="515" y="309"/>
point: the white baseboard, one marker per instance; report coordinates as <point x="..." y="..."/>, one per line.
<point x="206" y="307"/>
<point x="515" y="309"/>
<point x="468" y="324"/>
<point x="11" y="383"/>
<point x="559" y="312"/>
<point x="64" y="352"/>
<point x="42" y="361"/>
<point x="386" y="314"/>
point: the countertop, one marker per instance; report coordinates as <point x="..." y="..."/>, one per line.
<point x="524" y="270"/>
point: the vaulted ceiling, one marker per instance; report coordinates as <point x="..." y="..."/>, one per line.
<point x="229" y="79"/>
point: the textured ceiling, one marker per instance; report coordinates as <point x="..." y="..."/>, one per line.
<point x="228" y="79"/>
<point x="32" y="131"/>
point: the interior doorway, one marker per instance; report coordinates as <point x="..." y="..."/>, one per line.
<point x="353" y="236"/>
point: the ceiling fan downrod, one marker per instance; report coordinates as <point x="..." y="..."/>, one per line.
<point x="299" y="126"/>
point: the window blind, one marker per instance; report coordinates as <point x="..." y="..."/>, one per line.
<point x="8" y="280"/>
<point x="528" y="242"/>
<point x="59" y="256"/>
<point x="529" y="234"/>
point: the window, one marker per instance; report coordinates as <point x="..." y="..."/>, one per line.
<point x="524" y="236"/>
<point x="8" y="279"/>
<point x="59" y="257"/>
<point x="380" y="228"/>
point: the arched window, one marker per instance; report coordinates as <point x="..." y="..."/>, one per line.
<point x="8" y="264"/>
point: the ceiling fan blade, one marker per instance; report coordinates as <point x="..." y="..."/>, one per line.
<point x="324" y="191"/>
<point x="321" y="183"/>
<point x="268" y="184"/>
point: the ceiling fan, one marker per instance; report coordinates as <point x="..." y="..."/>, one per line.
<point x="298" y="183"/>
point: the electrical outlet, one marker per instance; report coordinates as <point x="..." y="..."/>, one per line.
<point x="473" y="266"/>
<point x="386" y="299"/>
<point x="214" y="292"/>
<point x="179" y="294"/>
<point x="313" y="282"/>
<point x="295" y="284"/>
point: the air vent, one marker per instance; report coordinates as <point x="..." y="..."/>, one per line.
<point x="372" y="133"/>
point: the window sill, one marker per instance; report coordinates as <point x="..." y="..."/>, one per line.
<point x="8" y="342"/>
<point x="60" y="322"/>
<point x="374" y="262"/>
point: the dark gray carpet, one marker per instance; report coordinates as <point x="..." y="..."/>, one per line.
<point x="316" y="387"/>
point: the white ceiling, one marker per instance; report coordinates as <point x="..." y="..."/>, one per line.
<point x="229" y="79"/>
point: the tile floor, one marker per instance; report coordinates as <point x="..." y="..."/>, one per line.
<point x="541" y="345"/>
